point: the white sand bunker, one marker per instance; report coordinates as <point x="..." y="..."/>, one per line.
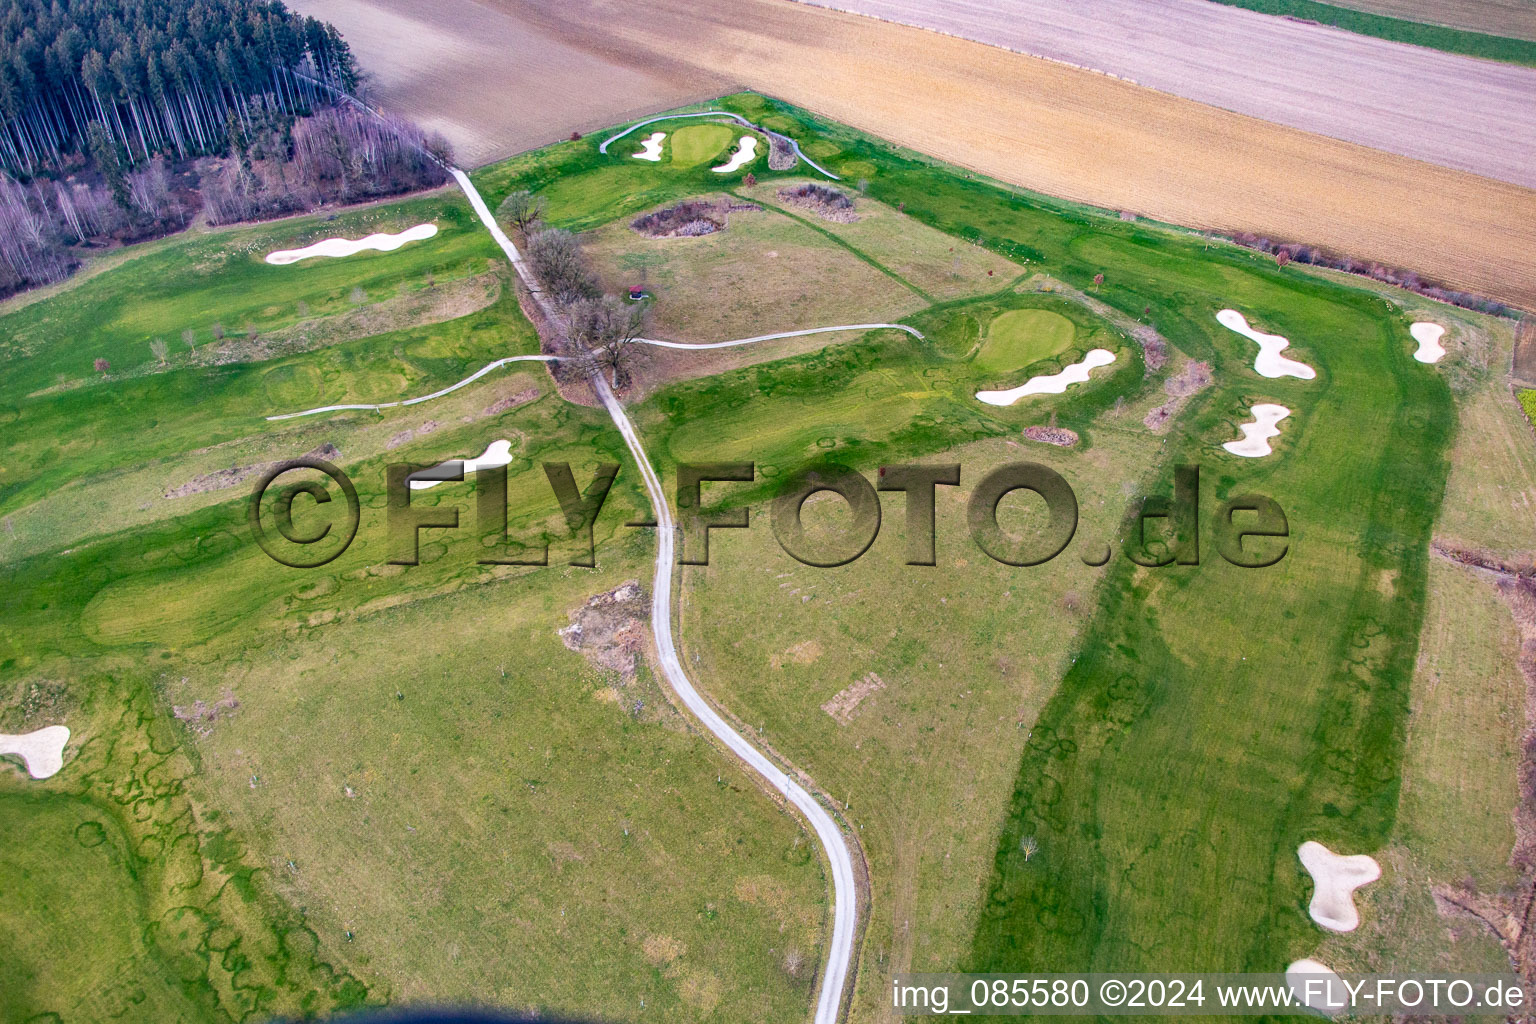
<point x="1428" y="336"/>
<point x="1316" y="985"/>
<point x="347" y="247"/>
<point x="652" y="150"/>
<point x="1054" y="384"/>
<point x="1334" y="881"/>
<point x="1256" y="435"/>
<point x="746" y="152"/>
<point x="42" y="751"/>
<point x="497" y="453"/>
<point x="1270" y="363"/>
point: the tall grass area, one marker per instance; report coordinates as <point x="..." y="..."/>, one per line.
<point x="1399" y="30"/>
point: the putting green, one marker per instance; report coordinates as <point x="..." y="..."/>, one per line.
<point x="1019" y="337"/>
<point x="700" y="142"/>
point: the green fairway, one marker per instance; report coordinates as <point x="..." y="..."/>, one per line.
<point x="693" y="144"/>
<point x="1018" y="337"/>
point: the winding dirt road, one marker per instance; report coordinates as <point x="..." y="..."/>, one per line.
<point x="844" y="899"/>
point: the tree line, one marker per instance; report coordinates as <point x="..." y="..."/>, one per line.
<point x="598" y="327"/>
<point x="155" y="76"/>
<point x="112" y="113"/>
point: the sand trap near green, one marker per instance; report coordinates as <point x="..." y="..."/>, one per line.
<point x="1428" y="335"/>
<point x="1334" y="880"/>
<point x="1256" y="435"/>
<point x="1318" y="986"/>
<point x="337" y="248"/>
<point x="746" y="152"/>
<point x="497" y="453"/>
<point x="1269" y="362"/>
<point x="652" y="147"/>
<point x="1019" y="337"/>
<point x="699" y="142"/>
<point x="42" y="751"/>
<point x="1052" y="384"/>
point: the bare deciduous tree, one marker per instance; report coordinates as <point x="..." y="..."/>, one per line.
<point x="521" y="209"/>
<point x="556" y="259"/>
<point x="158" y="350"/>
<point x="607" y="327"/>
<point x="1028" y="847"/>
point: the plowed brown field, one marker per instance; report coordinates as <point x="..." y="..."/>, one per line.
<point x="1515" y="18"/>
<point x="1042" y="125"/>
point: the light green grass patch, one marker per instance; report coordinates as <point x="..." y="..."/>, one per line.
<point x="1018" y="337"/>
<point x="695" y="143"/>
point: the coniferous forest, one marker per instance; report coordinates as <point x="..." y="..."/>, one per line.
<point x="121" y="119"/>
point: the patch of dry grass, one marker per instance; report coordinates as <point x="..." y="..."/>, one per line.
<point x="765" y="273"/>
<point x="941" y="265"/>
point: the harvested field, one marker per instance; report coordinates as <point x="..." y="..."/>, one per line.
<point x="1514" y="18"/>
<point x="1444" y="108"/>
<point x="422" y="56"/>
<point x="1067" y="132"/>
<point x="1524" y="364"/>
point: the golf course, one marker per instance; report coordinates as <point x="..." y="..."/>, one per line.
<point x="450" y="771"/>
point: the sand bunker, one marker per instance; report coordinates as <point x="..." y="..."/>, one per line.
<point x="346" y="247"/>
<point x="1256" y="435"/>
<point x="1055" y="384"/>
<point x="497" y="453"/>
<point x="42" y="751"/>
<point x="1270" y="363"/>
<point x="652" y="150"/>
<point x="1335" y="879"/>
<point x="746" y="152"/>
<point x="1316" y="985"/>
<point x="1428" y="336"/>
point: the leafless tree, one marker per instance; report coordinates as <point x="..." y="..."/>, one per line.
<point x="158" y="350"/>
<point x="607" y="327"/>
<point x="557" y="262"/>
<point x="522" y="209"/>
<point x="1028" y="847"/>
<point x="189" y="337"/>
<point x="150" y="189"/>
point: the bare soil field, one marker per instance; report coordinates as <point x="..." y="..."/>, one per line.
<point x="493" y="82"/>
<point x="1516" y="18"/>
<point x="1029" y="122"/>
<point x="1447" y="109"/>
